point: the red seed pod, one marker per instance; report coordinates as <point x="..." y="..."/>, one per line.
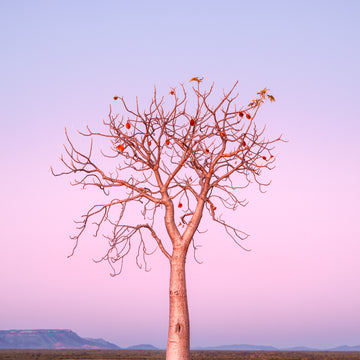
<point x="172" y="92"/>
<point x="115" y="97"/>
<point x="149" y="142"/>
<point x="241" y="114"/>
<point x="180" y="205"/>
<point x="264" y="157"/>
<point x="127" y="125"/>
<point x="167" y="142"/>
<point x="192" y="122"/>
<point x="222" y="134"/>
<point x="120" y="147"/>
<point x="248" y="116"/>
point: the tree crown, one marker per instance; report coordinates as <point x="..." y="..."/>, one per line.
<point x="181" y="159"/>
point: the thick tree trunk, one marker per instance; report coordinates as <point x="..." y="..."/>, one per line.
<point x="178" y="345"/>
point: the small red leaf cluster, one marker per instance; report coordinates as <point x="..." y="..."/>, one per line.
<point x="241" y="114"/>
<point x="120" y="147"/>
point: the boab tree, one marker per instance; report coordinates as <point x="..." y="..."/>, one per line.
<point x="179" y="161"/>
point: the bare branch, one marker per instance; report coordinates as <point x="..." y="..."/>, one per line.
<point x="181" y="154"/>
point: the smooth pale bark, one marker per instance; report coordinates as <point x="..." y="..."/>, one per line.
<point x="178" y="345"/>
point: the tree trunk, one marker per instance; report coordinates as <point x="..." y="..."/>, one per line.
<point x="178" y="345"/>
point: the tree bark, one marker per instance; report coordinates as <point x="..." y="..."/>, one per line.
<point x="178" y="345"/>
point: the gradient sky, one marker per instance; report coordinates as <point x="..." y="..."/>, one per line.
<point x="61" y="64"/>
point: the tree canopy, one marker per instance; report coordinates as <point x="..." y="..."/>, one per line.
<point x="170" y="155"/>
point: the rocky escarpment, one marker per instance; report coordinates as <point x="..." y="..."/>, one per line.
<point x="49" y="339"/>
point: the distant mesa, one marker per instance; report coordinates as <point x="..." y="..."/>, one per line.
<point x="346" y="348"/>
<point x="67" y="339"/>
<point x="246" y="347"/>
<point x="240" y="347"/>
<point x="252" y="347"/>
<point x="300" y="348"/>
<point x="49" y="339"/>
<point x="142" y="347"/>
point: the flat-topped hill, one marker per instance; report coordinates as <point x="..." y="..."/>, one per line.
<point x="49" y="339"/>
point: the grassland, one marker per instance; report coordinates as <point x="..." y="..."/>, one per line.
<point x="160" y="355"/>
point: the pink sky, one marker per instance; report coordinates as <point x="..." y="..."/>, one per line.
<point x="61" y="65"/>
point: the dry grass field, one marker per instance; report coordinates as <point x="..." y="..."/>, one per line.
<point x="160" y="355"/>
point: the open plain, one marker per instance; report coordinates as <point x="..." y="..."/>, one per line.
<point x="160" y="355"/>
